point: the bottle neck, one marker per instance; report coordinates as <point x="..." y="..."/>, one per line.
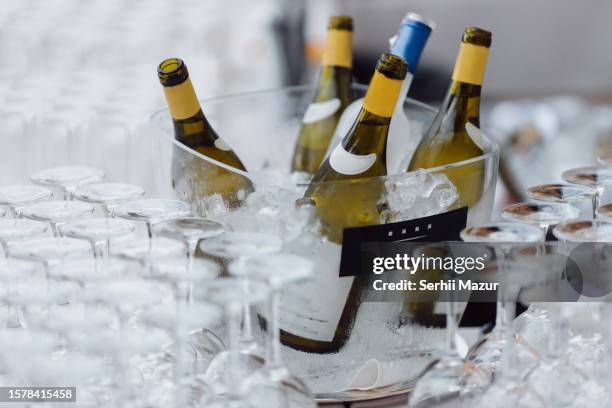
<point x="463" y="100"/>
<point x="338" y="50"/>
<point x="182" y="100"/>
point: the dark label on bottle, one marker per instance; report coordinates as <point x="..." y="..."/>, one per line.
<point x="436" y="228"/>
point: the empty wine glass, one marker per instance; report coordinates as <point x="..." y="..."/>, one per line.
<point x="232" y="246"/>
<point x="442" y="379"/>
<point x="108" y="195"/>
<point x="487" y="353"/>
<point x="564" y="193"/>
<point x="542" y="214"/>
<point x="11" y="271"/>
<point x="125" y="297"/>
<point x="596" y="177"/>
<point x="176" y="319"/>
<point x="229" y="294"/>
<point x="173" y="272"/>
<point x="190" y="231"/>
<point x="50" y="251"/>
<point x="98" y="231"/>
<point x="56" y="212"/>
<point x="67" y="178"/>
<point x="17" y="229"/>
<point x="152" y="210"/>
<point x="18" y="196"/>
<point x="274" y="385"/>
<point x="147" y="252"/>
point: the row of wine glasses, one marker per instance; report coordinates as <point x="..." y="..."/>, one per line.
<point x="539" y="358"/>
<point x="183" y="312"/>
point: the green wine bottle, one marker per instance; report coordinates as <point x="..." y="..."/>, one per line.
<point x="194" y="178"/>
<point x="332" y="96"/>
<point x="454" y="134"/>
<point x="346" y="192"/>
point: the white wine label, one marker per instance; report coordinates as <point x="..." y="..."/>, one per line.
<point x="317" y="111"/>
<point x="221" y="145"/>
<point x="313" y="309"/>
<point x="475" y="134"/>
<point x="348" y="163"/>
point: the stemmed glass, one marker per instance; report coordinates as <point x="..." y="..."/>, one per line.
<point x="146" y="252"/>
<point x="442" y="379"/>
<point x="108" y="195"/>
<point x="152" y="210"/>
<point x="67" y="178"/>
<point x="11" y="271"/>
<point x="232" y="246"/>
<point x="488" y="351"/>
<point x="190" y="231"/>
<point x="274" y="385"/>
<point x="555" y="374"/>
<point x="596" y="177"/>
<point x="178" y="318"/>
<point x="543" y="215"/>
<point x="56" y="212"/>
<point x="98" y="231"/>
<point x="564" y="193"/>
<point x="124" y="297"/>
<point x="229" y="294"/>
<point x="50" y="251"/>
<point x="17" y="229"/>
<point x="18" y="196"/>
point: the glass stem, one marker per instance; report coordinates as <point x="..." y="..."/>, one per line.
<point x="246" y="334"/>
<point x="274" y="357"/>
<point x="55" y="227"/>
<point x="191" y="249"/>
<point x="596" y="201"/>
<point x="5" y="251"/>
<point x="451" y="327"/>
<point x="233" y="311"/>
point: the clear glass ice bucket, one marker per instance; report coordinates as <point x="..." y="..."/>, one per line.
<point x="262" y="128"/>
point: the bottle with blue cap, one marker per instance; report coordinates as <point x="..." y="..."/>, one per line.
<point x="408" y="43"/>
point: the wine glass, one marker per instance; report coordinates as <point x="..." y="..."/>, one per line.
<point x="596" y="177"/>
<point x="17" y="229"/>
<point x="488" y="351"/>
<point x="11" y="271"/>
<point x="67" y="178"/>
<point x="232" y="246"/>
<point x="108" y="195"/>
<point x="56" y="212"/>
<point x="176" y="319"/>
<point x="564" y="193"/>
<point x="18" y="196"/>
<point x="152" y="210"/>
<point x="190" y="231"/>
<point x="98" y="231"/>
<point x="442" y="379"/>
<point x="273" y="384"/>
<point x="229" y="294"/>
<point x="147" y="252"/>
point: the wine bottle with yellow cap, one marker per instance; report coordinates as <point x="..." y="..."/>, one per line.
<point x="333" y="94"/>
<point x="454" y="134"/>
<point x="343" y="199"/>
<point x="193" y="178"/>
